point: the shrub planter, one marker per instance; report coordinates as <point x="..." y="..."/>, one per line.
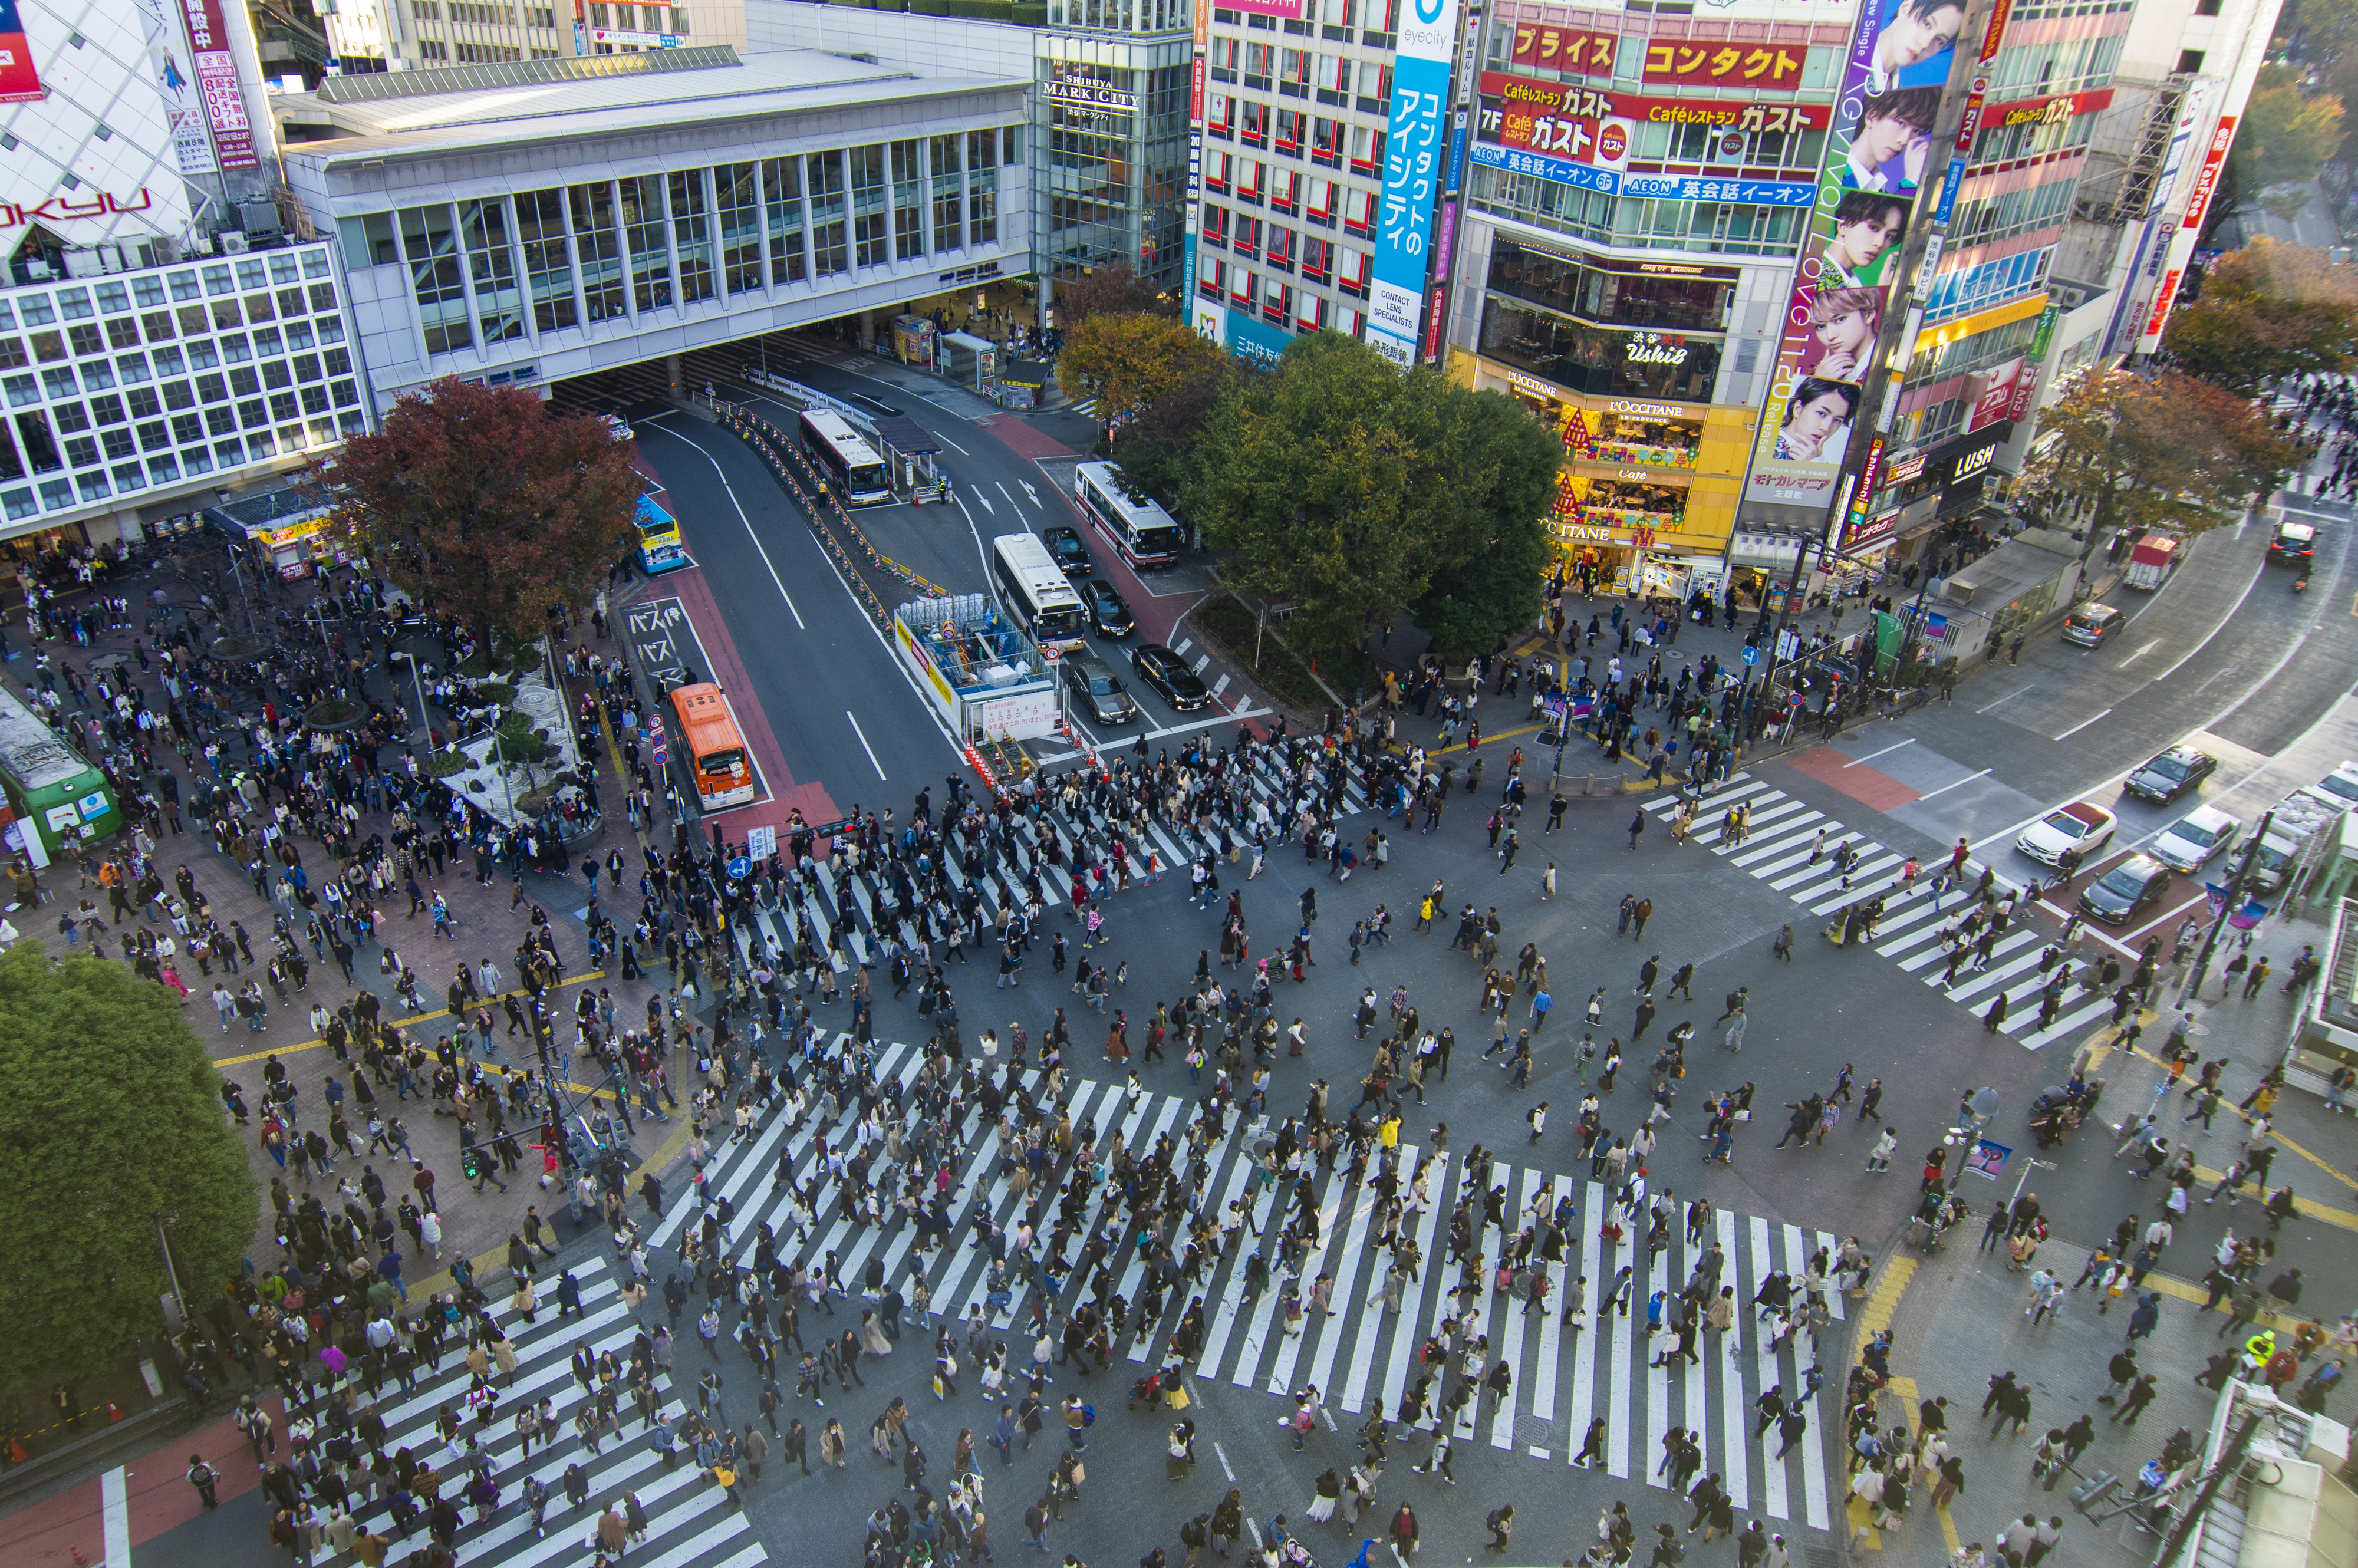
<point x="335" y="714"/>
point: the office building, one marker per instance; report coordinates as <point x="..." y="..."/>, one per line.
<point x="1109" y="133"/>
<point x="527" y="221"/>
<point x="367" y="36"/>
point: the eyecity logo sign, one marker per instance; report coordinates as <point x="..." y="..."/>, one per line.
<point x="1414" y="146"/>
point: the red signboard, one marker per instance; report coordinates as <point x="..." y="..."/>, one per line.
<point x="1994" y="34"/>
<point x="2026" y="389"/>
<point x="2205" y="182"/>
<point x="2163" y="298"/>
<point x="2050" y="111"/>
<point x="1593" y="103"/>
<point x="217" y="84"/>
<point x="1996" y="397"/>
<point x="20" y="81"/>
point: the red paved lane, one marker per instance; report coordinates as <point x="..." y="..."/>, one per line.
<point x="729" y="670"/>
<point x="48" y="1533"/>
<point x="1857" y="781"/>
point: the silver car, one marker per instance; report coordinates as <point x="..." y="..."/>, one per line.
<point x="1097" y="692"/>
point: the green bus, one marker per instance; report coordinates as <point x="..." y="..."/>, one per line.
<point x="54" y="797"/>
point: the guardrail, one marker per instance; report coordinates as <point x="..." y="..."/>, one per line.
<point x="786" y="460"/>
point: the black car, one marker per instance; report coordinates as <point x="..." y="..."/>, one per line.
<point x="1108" y="613"/>
<point x="2294" y="542"/>
<point x="2169" y="775"/>
<point x="1163" y="670"/>
<point x="1066" y="549"/>
<point x="1097" y="692"/>
<point x="2125" y="892"/>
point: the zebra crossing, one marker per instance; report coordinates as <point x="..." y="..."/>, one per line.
<point x="689" y="1523"/>
<point x="1362" y="1355"/>
<point x="1782" y="849"/>
<point x="854" y="892"/>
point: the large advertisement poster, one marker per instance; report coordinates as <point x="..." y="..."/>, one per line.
<point x="20" y="79"/>
<point x="217" y="84"/>
<point x="1866" y="195"/>
<point x="1413" y="150"/>
<point x="192" y="145"/>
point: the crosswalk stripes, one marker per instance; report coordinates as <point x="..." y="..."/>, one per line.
<point x="689" y="1522"/>
<point x="1792" y="847"/>
<point x="1087" y="406"/>
<point x="1361" y="1355"/>
<point x="1000" y="866"/>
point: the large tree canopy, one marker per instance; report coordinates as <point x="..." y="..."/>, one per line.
<point x="111" y="1112"/>
<point x="486" y="505"/>
<point x="1355" y="492"/>
<point x="2142" y="452"/>
<point x="1127" y="361"/>
<point x="2286" y="132"/>
<point x="2266" y="311"/>
<point x="1117" y="289"/>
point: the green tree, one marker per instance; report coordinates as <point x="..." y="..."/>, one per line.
<point x="2284" y="134"/>
<point x="111" y="1113"/>
<point x="1353" y="492"/>
<point x="2140" y="453"/>
<point x="487" y="504"/>
<point x="2328" y="27"/>
<point x="1160" y="446"/>
<point x="1127" y="361"/>
<point x="2266" y="311"/>
<point x="1494" y="551"/>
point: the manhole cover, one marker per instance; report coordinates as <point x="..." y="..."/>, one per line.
<point x="1532" y="1432"/>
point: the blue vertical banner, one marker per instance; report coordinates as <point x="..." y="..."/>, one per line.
<point x="1414" y="149"/>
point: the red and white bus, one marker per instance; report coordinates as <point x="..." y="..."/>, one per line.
<point x="1148" y="538"/>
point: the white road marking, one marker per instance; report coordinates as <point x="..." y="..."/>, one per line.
<point x="2140" y="653"/>
<point x="2081" y="725"/>
<point x="864" y="746"/>
<point x="1947" y="788"/>
<point x="2009" y="696"/>
<point x="749" y="525"/>
<point x="1872" y="755"/>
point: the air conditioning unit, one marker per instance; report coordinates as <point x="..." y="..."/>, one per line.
<point x="229" y="242"/>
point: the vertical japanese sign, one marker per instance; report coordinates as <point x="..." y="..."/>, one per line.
<point x="2198" y="207"/>
<point x="1866" y="194"/>
<point x="20" y="79"/>
<point x="192" y="145"/>
<point x="1414" y="149"/>
<point x="1192" y="209"/>
<point x="217" y="83"/>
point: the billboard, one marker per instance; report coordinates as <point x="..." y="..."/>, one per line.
<point x="217" y="84"/>
<point x="1866" y="198"/>
<point x="1995" y="402"/>
<point x="1414" y="147"/>
<point x="1698" y="63"/>
<point x="20" y="79"/>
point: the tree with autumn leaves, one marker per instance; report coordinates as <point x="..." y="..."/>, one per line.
<point x="487" y="505"/>
<point x="2267" y="312"/>
<point x="2138" y="452"/>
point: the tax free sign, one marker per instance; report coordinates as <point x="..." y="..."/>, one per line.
<point x="1415" y="152"/>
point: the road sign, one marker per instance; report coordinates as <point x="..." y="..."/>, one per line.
<point x="661" y="755"/>
<point x="1988" y="1159"/>
<point x="1788" y="641"/>
<point x="1752" y="655"/>
<point x="761" y="842"/>
<point x="1050" y="652"/>
<point x="740" y="868"/>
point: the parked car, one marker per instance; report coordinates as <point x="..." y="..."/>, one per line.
<point x="2125" y="892"/>
<point x="616" y="426"/>
<point x="2338" y="787"/>
<point x="2188" y="843"/>
<point x="1166" y="673"/>
<point x="2170" y="774"/>
<point x="2092" y="624"/>
<point x="2079" y="829"/>
<point x="1108" y="610"/>
<point x="1066" y="549"/>
<point x="1097" y="692"/>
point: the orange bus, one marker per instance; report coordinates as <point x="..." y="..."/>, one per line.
<point x="712" y="747"/>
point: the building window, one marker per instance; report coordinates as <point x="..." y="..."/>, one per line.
<point x="829" y="254"/>
<point x="430" y="245"/>
<point x="599" y="251"/>
<point x="982" y="188"/>
<point x="433" y="48"/>
<point x="781" y="196"/>
<point x="540" y="223"/>
<point x="738" y="187"/>
<point x="490" y="263"/>
<point x="643" y="231"/>
<point x="691" y="232"/>
<point x="949" y="204"/>
<point x="872" y="244"/>
<point x="909" y="197"/>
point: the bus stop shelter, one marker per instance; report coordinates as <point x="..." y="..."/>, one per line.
<point x="910" y="451"/>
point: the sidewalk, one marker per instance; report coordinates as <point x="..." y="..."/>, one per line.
<point x="492" y="921"/>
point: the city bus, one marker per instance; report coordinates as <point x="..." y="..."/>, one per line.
<point x="851" y="465"/>
<point x="657" y="539"/>
<point x="1035" y="593"/>
<point x="55" y="798"/>
<point x="712" y="746"/>
<point x="1148" y="538"/>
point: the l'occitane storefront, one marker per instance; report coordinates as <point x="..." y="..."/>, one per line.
<point x="1647" y="496"/>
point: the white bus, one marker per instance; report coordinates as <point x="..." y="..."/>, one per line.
<point x="1035" y="593"/>
<point x="1147" y="536"/>
<point x="852" y="468"/>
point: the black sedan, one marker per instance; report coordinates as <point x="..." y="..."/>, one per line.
<point x="2294" y="542"/>
<point x="1066" y="549"/>
<point x="1097" y="691"/>
<point x="1107" y="612"/>
<point x="1165" y="672"/>
<point x="2125" y="892"/>
<point x="2170" y="774"/>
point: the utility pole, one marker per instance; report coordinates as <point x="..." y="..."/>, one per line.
<point x="2193" y="987"/>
